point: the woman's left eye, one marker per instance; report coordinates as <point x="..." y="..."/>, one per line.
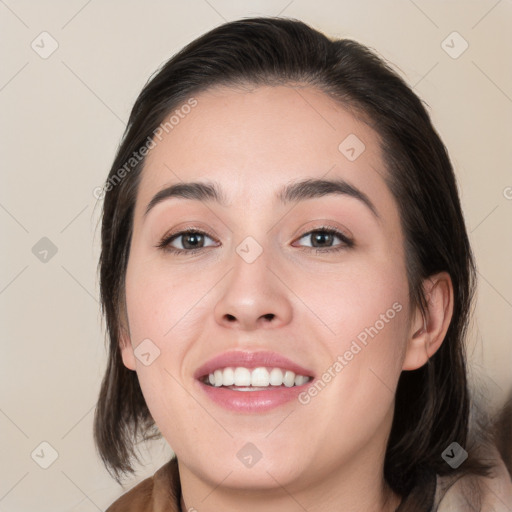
<point x="322" y="239"/>
<point x="192" y="241"/>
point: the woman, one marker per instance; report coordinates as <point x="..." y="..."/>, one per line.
<point x="286" y="278"/>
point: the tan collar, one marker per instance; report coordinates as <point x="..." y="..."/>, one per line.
<point x="162" y="492"/>
<point x="159" y="493"/>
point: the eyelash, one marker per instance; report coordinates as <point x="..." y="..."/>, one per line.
<point x="347" y="243"/>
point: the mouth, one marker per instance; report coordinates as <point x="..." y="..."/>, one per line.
<point x="254" y="379"/>
<point x="252" y="382"/>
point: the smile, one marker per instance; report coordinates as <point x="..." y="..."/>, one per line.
<point x="245" y="379"/>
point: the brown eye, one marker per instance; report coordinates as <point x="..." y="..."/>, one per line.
<point x="188" y="241"/>
<point x="325" y="238"/>
<point x="191" y="240"/>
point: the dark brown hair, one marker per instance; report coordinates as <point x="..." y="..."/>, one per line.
<point x="432" y="403"/>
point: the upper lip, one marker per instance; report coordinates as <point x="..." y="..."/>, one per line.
<point x="246" y="359"/>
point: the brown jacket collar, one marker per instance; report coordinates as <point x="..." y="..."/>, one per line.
<point x="159" y="493"/>
<point x="162" y="493"/>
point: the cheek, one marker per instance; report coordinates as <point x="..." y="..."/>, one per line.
<point x="161" y="309"/>
<point x="363" y="329"/>
<point x="358" y="296"/>
<point x="162" y="304"/>
<point x="356" y="389"/>
<point x="166" y="312"/>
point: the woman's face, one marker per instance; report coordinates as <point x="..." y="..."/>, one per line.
<point x="266" y="276"/>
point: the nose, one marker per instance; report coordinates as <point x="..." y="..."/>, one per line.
<point x="253" y="296"/>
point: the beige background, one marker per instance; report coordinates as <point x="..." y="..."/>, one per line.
<point x="62" y="118"/>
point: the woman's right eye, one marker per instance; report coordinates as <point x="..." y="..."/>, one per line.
<point x="189" y="241"/>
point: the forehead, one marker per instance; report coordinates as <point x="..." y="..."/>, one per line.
<point x="252" y="141"/>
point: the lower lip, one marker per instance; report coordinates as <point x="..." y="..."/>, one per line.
<point x="252" y="401"/>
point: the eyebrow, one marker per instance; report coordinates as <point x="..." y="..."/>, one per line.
<point x="298" y="191"/>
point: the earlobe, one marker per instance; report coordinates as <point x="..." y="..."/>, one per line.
<point x="125" y="346"/>
<point x="428" y="329"/>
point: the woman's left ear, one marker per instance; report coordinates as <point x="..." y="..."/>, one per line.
<point x="427" y="331"/>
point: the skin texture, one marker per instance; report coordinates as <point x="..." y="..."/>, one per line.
<point x="329" y="452"/>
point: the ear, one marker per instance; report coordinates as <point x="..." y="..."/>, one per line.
<point x="125" y="345"/>
<point x="427" y="332"/>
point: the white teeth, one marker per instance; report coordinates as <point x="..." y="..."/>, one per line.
<point x="260" y="377"/>
<point x="300" y="380"/>
<point x="228" y="377"/>
<point x="242" y="377"/>
<point x="289" y="379"/>
<point x="217" y="378"/>
<point x="276" y="377"/>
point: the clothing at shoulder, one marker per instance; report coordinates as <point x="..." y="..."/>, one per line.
<point x="162" y="493"/>
<point x="159" y="493"/>
<point x="475" y="492"/>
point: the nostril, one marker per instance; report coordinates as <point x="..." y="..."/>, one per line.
<point x="230" y="317"/>
<point x="269" y="316"/>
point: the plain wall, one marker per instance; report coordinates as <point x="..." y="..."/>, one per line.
<point x="62" y="119"/>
